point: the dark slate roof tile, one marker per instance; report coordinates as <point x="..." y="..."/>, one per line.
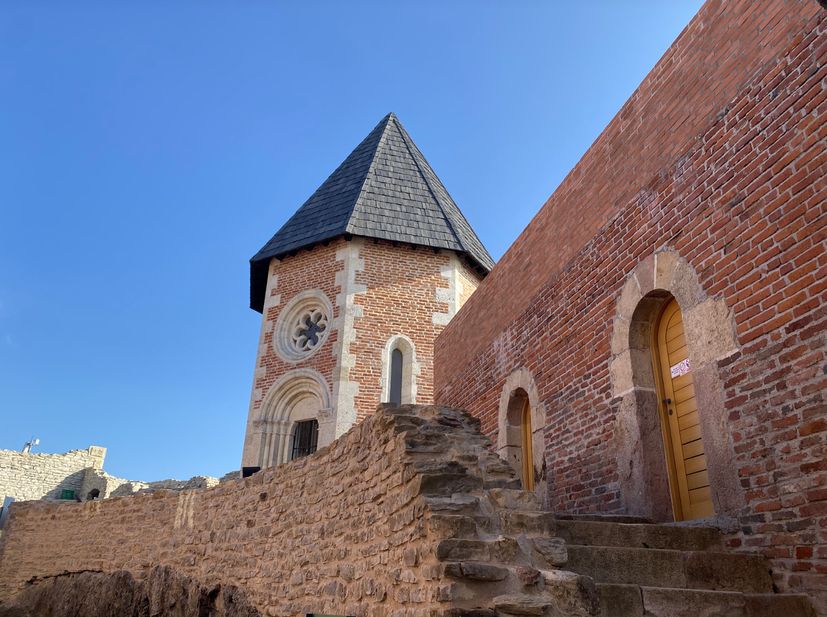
<point x="384" y="189"/>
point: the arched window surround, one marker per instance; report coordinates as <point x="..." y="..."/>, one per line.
<point x="518" y="389"/>
<point x="300" y="394"/>
<point x="410" y="368"/>
<point x="710" y="335"/>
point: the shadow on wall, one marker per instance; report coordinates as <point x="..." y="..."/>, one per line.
<point x="164" y="593"/>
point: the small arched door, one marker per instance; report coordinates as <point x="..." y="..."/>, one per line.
<point x="528" y="449"/>
<point x="519" y="451"/>
<point x="688" y="477"/>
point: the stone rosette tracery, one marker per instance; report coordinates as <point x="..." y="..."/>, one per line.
<point x="303" y="326"/>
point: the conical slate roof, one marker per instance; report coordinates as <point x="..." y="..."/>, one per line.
<point x="385" y="189"/>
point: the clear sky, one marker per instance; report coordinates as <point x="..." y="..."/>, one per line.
<point x="147" y="150"/>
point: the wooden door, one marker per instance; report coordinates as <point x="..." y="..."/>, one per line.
<point x="527" y="447"/>
<point x="684" y="447"/>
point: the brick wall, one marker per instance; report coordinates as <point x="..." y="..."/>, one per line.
<point x="314" y="269"/>
<point x="377" y="290"/>
<point x="706" y="66"/>
<point x="44" y="476"/>
<point x="406" y="288"/>
<point x="719" y="157"/>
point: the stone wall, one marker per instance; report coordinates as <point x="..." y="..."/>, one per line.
<point x="726" y="213"/>
<point x="379" y="523"/>
<point x="108" y="485"/>
<point x="44" y="476"/>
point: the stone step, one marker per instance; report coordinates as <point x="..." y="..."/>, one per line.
<point x="522" y="604"/>
<point x="476" y="571"/>
<point x="607" y="518"/>
<point x="634" y="601"/>
<point x="544" y="552"/>
<point x="501" y="549"/>
<point x="591" y="533"/>
<point x="669" y="568"/>
<point x="461" y="504"/>
<point x="513" y="499"/>
<point x="517" y="522"/>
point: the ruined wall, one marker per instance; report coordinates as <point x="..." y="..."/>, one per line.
<point x="110" y="486"/>
<point x="44" y="476"/>
<point x="737" y="190"/>
<point x="379" y="523"/>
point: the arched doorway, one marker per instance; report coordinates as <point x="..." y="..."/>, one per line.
<point x="683" y="444"/>
<point x="663" y="297"/>
<point x="519" y="448"/>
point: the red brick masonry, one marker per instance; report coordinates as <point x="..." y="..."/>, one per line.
<point x="719" y="156"/>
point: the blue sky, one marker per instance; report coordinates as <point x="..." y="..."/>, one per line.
<point x="147" y="150"/>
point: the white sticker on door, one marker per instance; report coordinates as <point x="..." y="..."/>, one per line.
<point x="681" y="368"/>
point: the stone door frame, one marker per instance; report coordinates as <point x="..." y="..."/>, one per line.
<point x="710" y="334"/>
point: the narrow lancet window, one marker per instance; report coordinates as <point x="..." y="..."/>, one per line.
<point x="395" y="395"/>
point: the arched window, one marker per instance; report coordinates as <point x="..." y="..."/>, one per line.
<point x="397" y="361"/>
<point x="399" y="371"/>
<point x="305" y="438"/>
<point x="299" y="396"/>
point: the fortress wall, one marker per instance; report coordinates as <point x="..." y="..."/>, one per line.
<point x="725" y="45"/>
<point x="296" y="538"/>
<point x="738" y="211"/>
<point x="44" y="476"/>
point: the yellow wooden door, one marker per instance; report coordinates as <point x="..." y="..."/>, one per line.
<point x="685" y="449"/>
<point x="528" y="448"/>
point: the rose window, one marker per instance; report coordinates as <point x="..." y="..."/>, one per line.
<point x="303" y="326"/>
<point x="307" y="333"/>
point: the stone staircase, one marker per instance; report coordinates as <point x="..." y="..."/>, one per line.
<point x="668" y="570"/>
<point x="610" y="569"/>
<point x="508" y="557"/>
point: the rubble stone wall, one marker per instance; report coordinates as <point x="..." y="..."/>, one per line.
<point x="374" y="524"/>
<point x="44" y="476"/>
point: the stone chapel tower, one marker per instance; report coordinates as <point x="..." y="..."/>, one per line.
<point x="353" y="290"/>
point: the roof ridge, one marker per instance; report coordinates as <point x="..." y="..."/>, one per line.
<point x="373" y="156"/>
<point x="402" y="134"/>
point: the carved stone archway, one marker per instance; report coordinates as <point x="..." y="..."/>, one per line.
<point x="300" y="394"/>
<point x="710" y="335"/>
<point x="521" y="382"/>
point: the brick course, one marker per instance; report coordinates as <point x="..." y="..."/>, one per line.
<point x="399" y="290"/>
